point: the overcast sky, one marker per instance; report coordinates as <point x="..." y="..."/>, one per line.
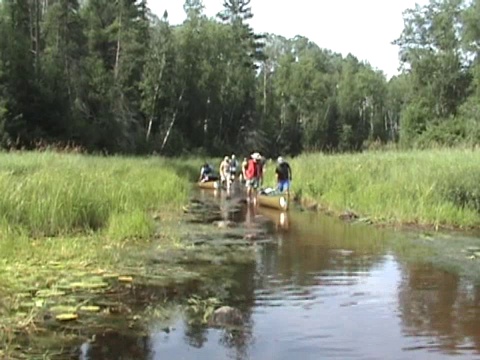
<point x="364" y="28"/>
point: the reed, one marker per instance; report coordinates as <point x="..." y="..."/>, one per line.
<point x="437" y="188"/>
<point x="49" y="194"/>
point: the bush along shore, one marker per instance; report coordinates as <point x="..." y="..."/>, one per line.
<point x="72" y="226"/>
<point x="434" y="188"/>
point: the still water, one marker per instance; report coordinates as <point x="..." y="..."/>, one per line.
<point x="323" y="289"/>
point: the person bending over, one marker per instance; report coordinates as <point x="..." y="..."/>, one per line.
<point x="284" y="175"/>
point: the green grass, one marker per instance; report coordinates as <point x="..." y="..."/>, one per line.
<point x="61" y="214"/>
<point x="48" y="194"/>
<point x="434" y="188"/>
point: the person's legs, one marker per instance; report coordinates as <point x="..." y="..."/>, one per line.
<point x="248" y="184"/>
<point x="255" y="187"/>
<point x="284" y="185"/>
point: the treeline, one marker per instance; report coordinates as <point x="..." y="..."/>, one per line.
<point x="109" y="76"/>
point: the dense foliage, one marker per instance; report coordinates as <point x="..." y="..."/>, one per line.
<point x="109" y="76"/>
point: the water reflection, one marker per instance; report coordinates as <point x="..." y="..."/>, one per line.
<point x="436" y="304"/>
<point x="113" y="345"/>
<point x="323" y="289"/>
<point x="280" y="219"/>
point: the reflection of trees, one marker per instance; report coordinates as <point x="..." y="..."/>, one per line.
<point x="435" y="303"/>
<point x="234" y="286"/>
<point x="314" y="244"/>
<point x="238" y="340"/>
<point x="196" y="335"/>
<point x="113" y="345"/>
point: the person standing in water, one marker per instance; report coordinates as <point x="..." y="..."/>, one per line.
<point x="233" y="167"/>
<point x="252" y="177"/>
<point x="225" y="172"/>
<point x="284" y="175"/>
<point x="244" y="169"/>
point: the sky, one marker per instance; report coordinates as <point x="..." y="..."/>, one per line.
<point x="364" y="28"/>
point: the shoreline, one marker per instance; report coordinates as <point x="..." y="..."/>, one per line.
<point x="351" y="216"/>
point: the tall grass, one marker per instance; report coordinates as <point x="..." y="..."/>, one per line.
<point x="49" y="194"/>
<point x="431" y="187"/>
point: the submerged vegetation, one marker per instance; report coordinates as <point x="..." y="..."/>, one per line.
<point x="438" y="188"/>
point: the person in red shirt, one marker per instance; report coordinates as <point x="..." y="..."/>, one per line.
<point x="252" y="176"/>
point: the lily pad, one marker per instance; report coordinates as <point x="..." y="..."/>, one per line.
<point x="27" y="304"/>
<point x="62" y="309"/>
<point x="66" y="317"/>
<point x="90" y="308"/>
<point x="23" y="295"/>
<point x="88" y="285"/>
<point x="110" y="276"/>
<point x="49" y="293"/>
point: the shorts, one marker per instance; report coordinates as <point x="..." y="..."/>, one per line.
<point x="252" y="183"/>
<point x="283" y="185"/>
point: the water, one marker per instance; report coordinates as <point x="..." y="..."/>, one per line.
<point x="324" y="290"/>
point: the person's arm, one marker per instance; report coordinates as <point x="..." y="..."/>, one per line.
<point x="289" y="172"/>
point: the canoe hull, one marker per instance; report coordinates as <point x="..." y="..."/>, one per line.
<point x="212" y="185"/>
<point x="279" y="202"/>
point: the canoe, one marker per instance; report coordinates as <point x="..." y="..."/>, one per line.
<point x="209" y="185"/>
<point x="277" y="201"/>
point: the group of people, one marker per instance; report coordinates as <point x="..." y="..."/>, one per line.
<point x="251" y="173"/>
<point x="227" y="171"/>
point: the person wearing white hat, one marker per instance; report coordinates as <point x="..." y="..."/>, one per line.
<point x="252" y="176"/>
<point x="283" y="173"/>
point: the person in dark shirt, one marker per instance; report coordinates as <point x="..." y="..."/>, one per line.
<point x="206" y="173"/>
<point x="284" y="175"/>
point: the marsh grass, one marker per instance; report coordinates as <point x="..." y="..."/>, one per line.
<point x="49" y="194"/>
<point x="64" y="214"/>
<point x="433" y="187"/>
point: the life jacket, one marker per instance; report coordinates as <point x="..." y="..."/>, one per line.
<point x="252" y="169"/>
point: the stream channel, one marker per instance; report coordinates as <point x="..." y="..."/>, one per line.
<point x="316" y="288"/>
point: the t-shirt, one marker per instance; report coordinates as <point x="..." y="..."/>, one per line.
<point x="252" y="169"/>
<point x="283" y="171"/>
<point x="206" y="170"/>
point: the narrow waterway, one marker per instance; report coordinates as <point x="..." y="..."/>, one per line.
<point x="321" y="289"/>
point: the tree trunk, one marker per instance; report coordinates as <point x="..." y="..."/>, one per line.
<point x="35" y="33"/>
<point x="165" y="139"/>
<point x="117" y="54"/>
<point x="154" y="107"/>
<point x="155" y="98"/>
<point x="264" y="90"/>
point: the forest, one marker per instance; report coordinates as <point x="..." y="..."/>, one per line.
<point x="111" y="77"/>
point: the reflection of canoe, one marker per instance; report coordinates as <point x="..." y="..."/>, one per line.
<point x="278" y="201"/>
<point x="209" y="185"/>
<point x="279" y="218"/>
